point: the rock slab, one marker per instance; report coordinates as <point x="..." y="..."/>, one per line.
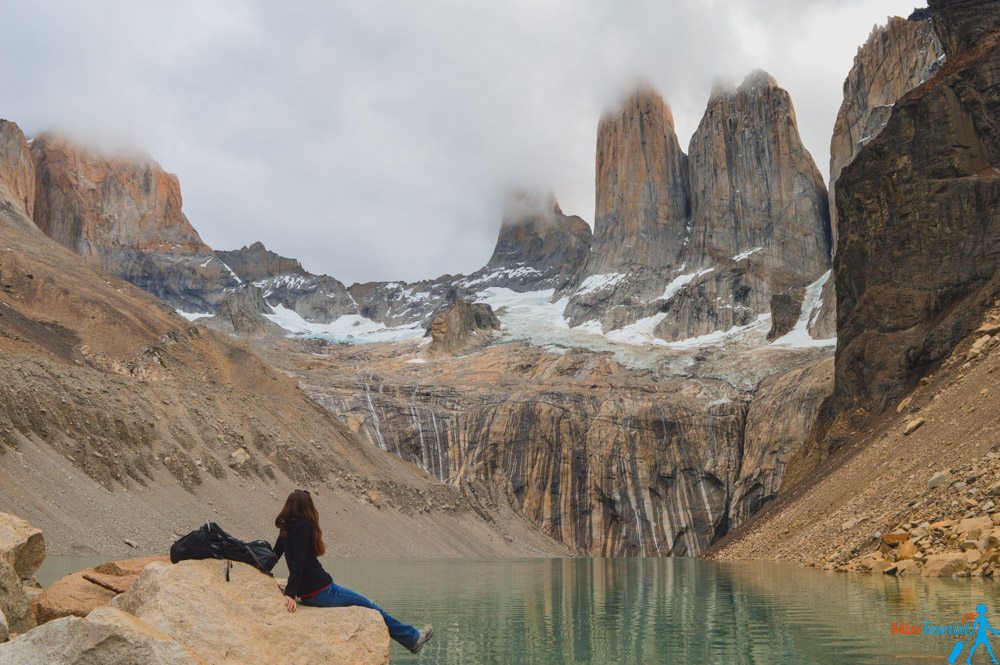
<point x="244" y="620"/>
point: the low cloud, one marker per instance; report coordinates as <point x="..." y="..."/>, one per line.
<point x="374" y="139"/>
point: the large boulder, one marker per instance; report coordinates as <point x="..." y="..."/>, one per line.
<point x="462" y="326"/>
<point x="107" y="636"/>
<point x="76" y="595"/>
<point x="21" y="545"/>
<point x="243" y="620"/>
<point x="14" y="601"/>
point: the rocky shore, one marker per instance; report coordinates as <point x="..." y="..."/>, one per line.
<point x="151" y="611"/>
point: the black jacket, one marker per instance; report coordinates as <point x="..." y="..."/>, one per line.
<point x="305" y="574"/>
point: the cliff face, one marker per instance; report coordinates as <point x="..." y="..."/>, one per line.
<point x="606" y="458"/>
<point x="17" y="171"/>
<point x="896" y="58"/>
<point x="538" y="246"/>
<point x="919" y="248"/>
<point x="642" y="194"/>
<point x="754" y="187"/>
<point x="125" y="212"/>
<point x="759" y="212"/>
<point x="641" y="213"/>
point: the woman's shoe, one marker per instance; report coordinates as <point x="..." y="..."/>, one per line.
<point x="425" y="634"/>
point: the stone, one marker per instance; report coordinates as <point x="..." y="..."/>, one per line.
<point x="912" y="426"/>
<point x="73" y="595"/>
<point x="462" y="326"/>
<point x="894" y="538"/>
<point x="4" y="628"/>
<point x="244" y="620"/>
<point x="14" y="601"/>
<point x="906" y="550"/>
<point x="106" y="636"/>
<point x="972" y="528"/>
<point x="21" y="545"/>
<point x="242" y="311"/>
<point x="906" y="567"/>
<point x="979" y="347"/>
<point x="238" y="458"/>
<point x="945" y="564"/>
<point x="967" y="545"/>
<point x="940" y="479"/>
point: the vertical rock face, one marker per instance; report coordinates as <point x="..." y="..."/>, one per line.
<point x="93" y="203"/>
<point x="538" y="247"/>
<point x="759" y="212"/>
<point x="896" y="58"/>
<point x="701" y="242"/>
<point x="125" y="212"/>
<point x="641" y="213"/>
<point x="754" y="187"/>
<point x="642" y="195"/>
<point x="17" y="171"/>
<point x="609" y="460"/>
<point x="779" y="422"/>
<point x="918" y="257"/>
<point x="961" y="24"/>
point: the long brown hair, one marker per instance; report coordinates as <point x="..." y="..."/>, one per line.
<point x="299" y="505"/>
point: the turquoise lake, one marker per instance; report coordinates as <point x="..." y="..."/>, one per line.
<point x="567" y="611"/>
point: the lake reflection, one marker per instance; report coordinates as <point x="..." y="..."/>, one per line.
<point x="563" y="611"/>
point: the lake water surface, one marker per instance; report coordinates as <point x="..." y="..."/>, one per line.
<point x="564" y="611"/>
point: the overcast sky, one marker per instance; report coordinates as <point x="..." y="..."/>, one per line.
<point x="374" y="139"/>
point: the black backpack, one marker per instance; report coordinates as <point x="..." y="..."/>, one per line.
<point x="211" y="542"/>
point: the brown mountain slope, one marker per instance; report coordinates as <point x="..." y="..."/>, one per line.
<point x="882" y="476"/>
<point x="120" y="420"/>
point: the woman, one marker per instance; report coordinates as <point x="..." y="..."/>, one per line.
<point x="301" y="541"/>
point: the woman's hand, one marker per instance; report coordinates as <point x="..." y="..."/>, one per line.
<point x="290" y="604"/>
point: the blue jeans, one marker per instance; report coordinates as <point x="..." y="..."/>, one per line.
<point x="338" y="596"/>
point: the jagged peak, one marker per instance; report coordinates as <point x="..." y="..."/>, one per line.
<point x="758" y="79"/>
<point x="643" y="96"/>
<point x="529" y="203"/>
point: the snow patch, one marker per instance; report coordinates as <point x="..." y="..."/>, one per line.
<point x="680" y="282"/>
<point x="192" y="316"/>
<point x="798" y="336"/>
<point x="349" y="328"/>
<point x="599" y="283"/>
<point x="719" y="335"/>
<point x="745" y="255"/>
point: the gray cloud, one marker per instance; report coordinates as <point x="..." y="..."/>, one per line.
<point x="374" y="139"/>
